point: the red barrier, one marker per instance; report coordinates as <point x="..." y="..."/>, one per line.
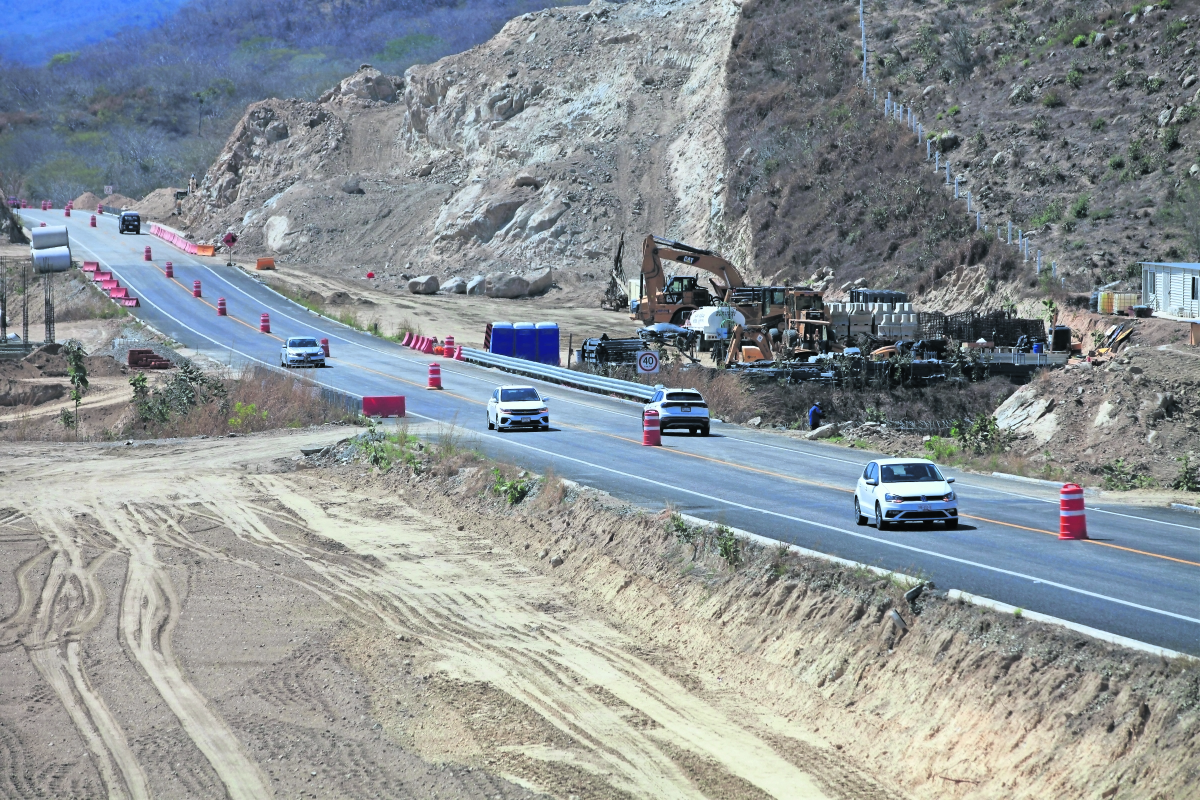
<point x="1072" y="522"/>
<point x="407" y="338"/>
<point x="449" y="342"/>
<point x="66" y="212"/>
<point x="101" y="276"/>
<point x="387" y="406"/>
<point x="109" y="285"/>
<point x="325" y="347"/>
<point x="370" y="274"/>
<point x="458" y="356"/>
<point x="651" y="434"/>
<point x="428" y="348"/>
<point x="169" y="269"/>
<point x="435" y="376"/>
<point x="42" y="225"/>
<point x="92" y="224"/>
<point x="196" y="289"/>
<point x="264" y="323"/>
<point x="221" y="311"/>
<point x="91" y="266"/>
<point x="100" y="208"/>
<point x="118" y="293"/>
<point x="148" y="252"/>
<point x="131" y="302"/>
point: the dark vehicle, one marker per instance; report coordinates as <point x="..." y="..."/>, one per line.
<point x="131" y="222"/>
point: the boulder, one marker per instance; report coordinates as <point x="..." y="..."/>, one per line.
<point x="339" y="299"/>
<point x="947" y="141"/>
<point x="424" y="284"/>
<point x="1164" y="117"/>
<point x="1020" y="94"/>
<point x="540" y="282"/>
<point x="477" y="285"/>
<point x="823" y="432"/>
<point x="370" y="84"/>
<point x="526" y="178"/>
<point x="352" y="187"/>
<point x="455" y="286"/>
<point x="275" y="232"/>
<point x="506" y="286"/>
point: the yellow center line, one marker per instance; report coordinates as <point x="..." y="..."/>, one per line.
<point x="723" y="462"/>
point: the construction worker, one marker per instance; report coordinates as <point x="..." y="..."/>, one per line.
<point x="815" y="415"/>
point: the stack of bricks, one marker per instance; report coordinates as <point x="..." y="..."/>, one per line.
<point x="147" y="359"/>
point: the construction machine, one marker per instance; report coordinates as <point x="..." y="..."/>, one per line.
<point x="791" y="325"/>
<point x="673" y="298"/>
<point x="616" y="296"/>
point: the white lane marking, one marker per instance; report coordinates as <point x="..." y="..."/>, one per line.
<point x="1089" y="508"/>
<point x="835" y="529"/>
<point x="401" y="357"/>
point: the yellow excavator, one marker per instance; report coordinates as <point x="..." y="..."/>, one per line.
<point x="673" y="298"/>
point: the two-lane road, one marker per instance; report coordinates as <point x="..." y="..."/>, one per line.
<point x="1139" y="577"/>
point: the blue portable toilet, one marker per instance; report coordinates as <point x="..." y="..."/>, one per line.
<point x="547" y="343"/>
<point x="525" y="335"/>
<point x="503" y="339"/>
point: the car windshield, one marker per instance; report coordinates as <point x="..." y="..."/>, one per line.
<point x="691" y="397"/>
<point x="302" y="342"/>
<point x="909" y="473"/>
<point x="519" y="396"/>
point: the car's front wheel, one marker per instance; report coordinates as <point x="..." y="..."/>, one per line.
<point x="859" y="519"/>
<point x="952" y="522"/>
<point x="880" y="523"/>
<point x="491" y="427"/>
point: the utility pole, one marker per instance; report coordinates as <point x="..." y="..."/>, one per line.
<point x="862" y="25"/>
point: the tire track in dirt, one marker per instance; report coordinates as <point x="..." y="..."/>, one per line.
<point x="548" y="669"/>
<point x="149" y="612"/>
<point x="49" y="624"/>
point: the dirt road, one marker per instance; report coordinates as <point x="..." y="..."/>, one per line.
<point x="201" y="618"/>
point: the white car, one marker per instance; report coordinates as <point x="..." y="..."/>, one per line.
<point x="300" y="351"/>
<point x="679" y="409"/>
<point x="893" y="490"/>
<point x="517" y="407"/>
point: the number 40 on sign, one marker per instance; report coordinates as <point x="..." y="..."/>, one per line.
<point x="647" y="362"/>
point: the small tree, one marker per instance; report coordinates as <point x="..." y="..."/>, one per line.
<point x="77" y="373"/>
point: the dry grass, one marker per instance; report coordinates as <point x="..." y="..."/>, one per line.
<point x="261" y="399"/>
<point x="728" y="396"/>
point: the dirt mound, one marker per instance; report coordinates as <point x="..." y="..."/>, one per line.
<point x="86" y="202"/>
<point x="26" y="393"/>
<point x="49" y="360"/>
<point x="534" y="149"/>
<point x="118" y="201"/>
<point x="103" y="366"/>
<point x="159" y="204"/>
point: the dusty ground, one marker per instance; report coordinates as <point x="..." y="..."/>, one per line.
<point x="464" y="318"/>
<point x="194" y="618"/>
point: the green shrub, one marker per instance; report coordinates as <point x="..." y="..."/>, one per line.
<point x="1175" y="29"/>
<point x="1116" y="162"/>
<point x="942" y="449"/>
<point x="729" y="547"/>
<point x="1170" y="137"/>
<point x="1099" y="124"/>
<point x="1080" y="41"/>
<point x="1104" y="213"/>
<point x="1121" y="477"/>
<point x="1074" y="78"/>
<point x="1188" y="479"/>
<point x="953" y="111"/>
<point x="514" y="490"/>
<point x="243" y="412"/>
<point x="1154" y="83"/>
<point x="981" y="435"/>
<point x="1079" y="209"/>
<point x="1185" y="114"/>
<point x="1051" y="99"/>
<point x="1051" y="213"/>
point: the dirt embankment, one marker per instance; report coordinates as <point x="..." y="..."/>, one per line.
<point x="222" y="617"/>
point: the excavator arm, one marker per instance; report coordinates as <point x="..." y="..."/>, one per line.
<point x="740" y="337"/>
<point x="656" y="250"/>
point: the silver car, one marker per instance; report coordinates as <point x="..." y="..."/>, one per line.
<point x="679" y="409"/>
<point x="300" y="351"/>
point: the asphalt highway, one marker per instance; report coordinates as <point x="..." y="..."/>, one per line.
<point x="1138" y="576"/>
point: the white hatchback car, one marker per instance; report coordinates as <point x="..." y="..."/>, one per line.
<point x="905" y="490"/>
<point x="679" y="408"/>
<point x="517" y="407"/>
<point x="301" y="351"/>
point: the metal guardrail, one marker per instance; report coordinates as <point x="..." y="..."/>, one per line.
<point x="560" y="375"/>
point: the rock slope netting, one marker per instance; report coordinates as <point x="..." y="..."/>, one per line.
<point x="535" y="149"/>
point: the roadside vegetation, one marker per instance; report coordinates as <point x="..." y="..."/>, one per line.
<point x="134" y="112"/>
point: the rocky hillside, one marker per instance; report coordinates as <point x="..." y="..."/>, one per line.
<point x="1069" y="119"/>
<point x="537" y="148"/>
<point x="745" y="127"/>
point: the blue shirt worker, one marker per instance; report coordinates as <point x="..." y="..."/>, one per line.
<point x="815" y="415"/>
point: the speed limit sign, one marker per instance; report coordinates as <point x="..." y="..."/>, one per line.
<point x="647" y="362"/>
